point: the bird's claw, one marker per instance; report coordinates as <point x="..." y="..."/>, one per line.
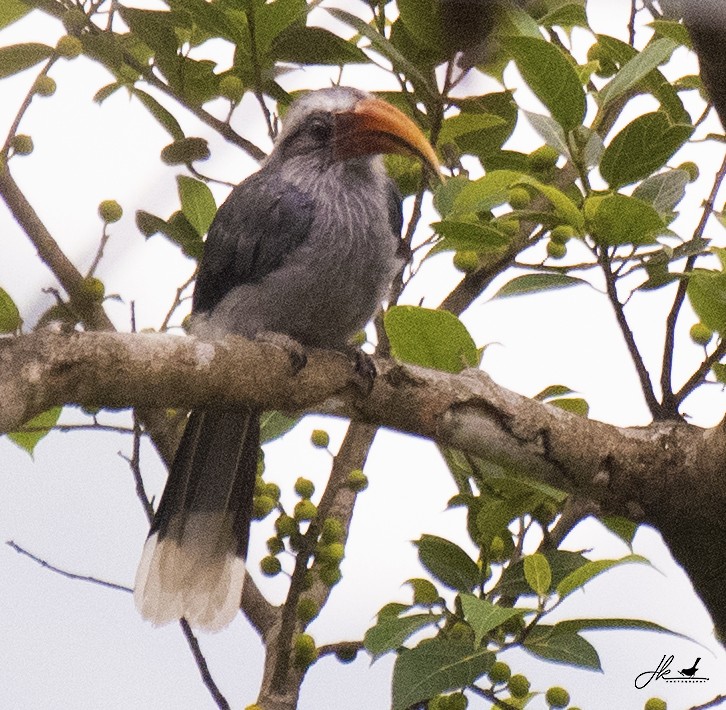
<point x="366" y="372"/>
<point x="294" y="350"/>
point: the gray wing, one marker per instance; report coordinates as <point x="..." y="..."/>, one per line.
<point x="261" y="222"/>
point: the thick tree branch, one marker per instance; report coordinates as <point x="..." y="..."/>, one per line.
<point x="621" y="470"/>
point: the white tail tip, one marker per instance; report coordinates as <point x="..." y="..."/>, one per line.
<point x="196" y="576"/>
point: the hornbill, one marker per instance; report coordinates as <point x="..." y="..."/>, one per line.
<point x="305" y="248"/>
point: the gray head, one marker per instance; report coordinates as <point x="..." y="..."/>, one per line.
<point x="325" y="127"/>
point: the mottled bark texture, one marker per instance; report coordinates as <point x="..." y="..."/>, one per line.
<point x="671" y="475"/>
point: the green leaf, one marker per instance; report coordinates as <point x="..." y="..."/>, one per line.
<point x="719" y="370"/>
<point x="617" y="219"/>
<point x="534" y="283"/>
<point x="390" y="632"/>
<point x="622" y="527"/>
<point x="664" y="191"/>
<point x="566" y="211"/>
<point x="641" y="148"/>
<point x="486" y="192"/>
<point x="426" y="92"/>
<point x="197" y="203"/>
<point x="177" y="229"/>
<point x="483" y="616"/>
<point x="674" y="30"/>
<point x="637" y="69"/>
<point x="164" y="117"/>
<point x="213" y="19"/>
<point x="448" y="563"/>
<point x="446" y="194"/>
<point x="154" y="28"/>
<point x="538" y="574"/>
<point x="574" y="405"/>
<point x="550" y="131"/>
<point x="707" y="294"/>
<point x="552" y="77"/>
<point x="566" y="16"/>
<point x="559" y="646"/>
<point x="562" y="563"/>
<point x="553" y="391"/>
<point x="43" y="423"/>
<point x="475" y="133"/>
<point x="582" y="575"/>
<point x="12" y="10"/>
<point x="274" y="424"/>
<point x="18" y="57"/>
<point x="430" y="338"/>
<point x="468" y="236"/>
<point x="10" y="320"/>
<point x="421" y="19"/>
<point x="314" y="45"/>
<point x="436" y="666"/>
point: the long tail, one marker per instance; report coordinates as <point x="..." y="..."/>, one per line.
<point x="193" y="563"/>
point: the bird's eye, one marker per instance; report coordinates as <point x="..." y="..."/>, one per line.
<point x="320" y="128"/>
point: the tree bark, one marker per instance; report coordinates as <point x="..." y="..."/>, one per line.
<point x="669" y="474"/>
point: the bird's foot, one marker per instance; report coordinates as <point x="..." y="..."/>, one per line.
<point x="365" y="370"/>
<point x="294" y="350"/>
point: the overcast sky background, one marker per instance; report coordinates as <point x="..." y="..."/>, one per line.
<point x="67" y="644"/>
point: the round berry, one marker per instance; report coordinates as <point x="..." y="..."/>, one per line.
<point x="466" y="261"/>
<point x="333" y="553"/>
<point x="69" y="47"/>
<point x="500" y="672"/>
<point x="44" y="86"/>
<point x="320" y="438"/>
<point x="329" y="575"/>
<point x="556" y="250"/>
<point x="22" y="144"/>
<point x="262" y="506"/>
<point x="285" y="526"/>
<point x="275" y="545"/>
<point x="307" y="610"/>
<point x="272" y="490"/>
<point x="270" y="566"/>
<point x="94" y="288"/>
<point x="557" y="697"/>
<point x="457" y="701"/>
<point x="304" y="650"/>
<point x="110" y="211"/>
<point x="304" y="487"/>
<point x="333" y="531"/>
<point x="304" y="510"/>
<point x="691" y="168"/>
<point x="701" y="334"/>
<point x="357" y="480"/>
<point x="518" y="685"/>
<point x="655" y="704"/>
<point x="346" y="653"/>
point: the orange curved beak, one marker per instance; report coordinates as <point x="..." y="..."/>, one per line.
<point x="374" y="126"/>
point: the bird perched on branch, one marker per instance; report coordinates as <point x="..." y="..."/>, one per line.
<point x="306" y="248"/>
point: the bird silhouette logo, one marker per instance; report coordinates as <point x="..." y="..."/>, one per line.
<point x="690" y="672"/>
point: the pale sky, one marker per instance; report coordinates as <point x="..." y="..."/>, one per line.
<point x="69" y="644"/>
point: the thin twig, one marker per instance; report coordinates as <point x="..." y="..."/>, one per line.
<point x="631" y="22"/>
<point x="699" y="376"/>
<point x="201" y="662"/>
<point x="178" y="299"/>
<point x="105" y="236"/>
<point x="135" y="466"/>
<point x="489" y="695"/>
<point x="671" y="401"/>
<point x="65" y="573"/>
<point x="643" y="375"/>
<point x="718" y="700"/>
